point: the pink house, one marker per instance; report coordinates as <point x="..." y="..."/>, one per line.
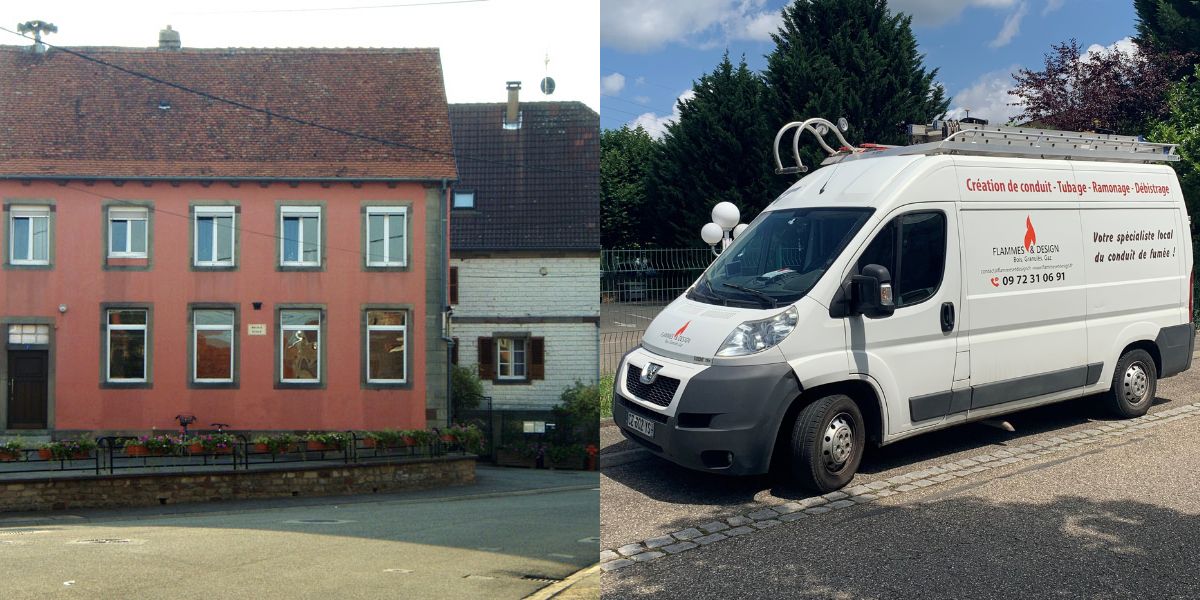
<point x="166" y="252"/>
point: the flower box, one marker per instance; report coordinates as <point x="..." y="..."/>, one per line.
<point x="136" y="450"/>
<point x="9" y="456"/>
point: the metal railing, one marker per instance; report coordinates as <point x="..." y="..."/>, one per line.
<point x="650" y="276"/>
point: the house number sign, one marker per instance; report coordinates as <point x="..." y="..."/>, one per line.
<point x="256" y="329"/>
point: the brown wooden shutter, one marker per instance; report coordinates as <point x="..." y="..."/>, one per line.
<point x="454" y="352"/>
<point x="537" y="358"/>
<point x="453" y="286"/>
<point x="487" y="358"/>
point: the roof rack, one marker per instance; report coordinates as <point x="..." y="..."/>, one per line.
<point x="956" y="137"/>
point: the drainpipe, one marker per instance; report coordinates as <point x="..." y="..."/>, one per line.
<point x="446" y="297"/>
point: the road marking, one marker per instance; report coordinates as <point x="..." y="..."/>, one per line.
<point x="397" y="570"/>
<point x="319" y="521"/>
<point x="590" y="540"/>
<point x="489" y="549"/>
<point x="557" y="555"/>
<point x="612" y="559"/>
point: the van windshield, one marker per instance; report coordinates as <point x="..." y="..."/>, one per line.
<point x="780" y="257"/>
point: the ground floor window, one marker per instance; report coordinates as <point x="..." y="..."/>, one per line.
<point x="300" y="346"/>
<point x="387" y="345"/>
<point x="126" y="345"/>
<point x="512" y="358"/>
<point x="213" y="342"/>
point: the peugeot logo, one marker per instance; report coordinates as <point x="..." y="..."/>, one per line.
<point x="650" y="373"/>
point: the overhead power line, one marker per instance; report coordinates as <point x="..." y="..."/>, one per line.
<point x="325" y="9"/>
<point x="285" y="117"/>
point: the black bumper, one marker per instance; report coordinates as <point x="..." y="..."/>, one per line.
<point x="726" y="420"/>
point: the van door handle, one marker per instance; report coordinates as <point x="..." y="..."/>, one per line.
<point x="947" y="316"/>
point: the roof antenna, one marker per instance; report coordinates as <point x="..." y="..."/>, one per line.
<point x="547" y="84"/>
<point x="38" y="28"/>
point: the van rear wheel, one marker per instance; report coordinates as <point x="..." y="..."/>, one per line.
<point x="827" y="443"/>
<point x="1134" y="384"/>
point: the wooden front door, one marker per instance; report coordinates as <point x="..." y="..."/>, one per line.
<point x="28" y="376"/>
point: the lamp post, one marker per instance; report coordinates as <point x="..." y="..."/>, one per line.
<point x="724" y="227"/>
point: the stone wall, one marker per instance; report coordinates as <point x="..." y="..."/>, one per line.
<point x="111" y="491"/>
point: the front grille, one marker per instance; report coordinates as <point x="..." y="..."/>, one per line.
<point x="661" y="392"/>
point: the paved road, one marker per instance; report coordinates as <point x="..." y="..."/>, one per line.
<point x="1087" y="507"/>
<point x="505" y="537"/>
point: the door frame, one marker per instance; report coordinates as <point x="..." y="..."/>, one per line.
<point x="50" y="370"/>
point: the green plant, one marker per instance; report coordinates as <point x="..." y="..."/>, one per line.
<point x="162" y="443"/>
<point x="333" y="439"/>
<point x="469" y="437"/>
<point x="420" y="437"/>
<point x="387" y="437"/>
<point x="12" y="447"/>
<point x="214" y="442"/>
<point x="522" y="449"/>
<point x="276" y="444"/>
<point x="606" y="395"/>
<point x="466" y="389"/>
<point x="565" y="455"/>
<point x="64" y="449"/>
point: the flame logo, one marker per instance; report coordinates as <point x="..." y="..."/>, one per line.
<point x="682" y="329"/>
<point x="1030" y="234"/>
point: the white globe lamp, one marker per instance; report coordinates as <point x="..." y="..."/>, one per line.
<point x="739" y="229"/>
<point x="711" y="234"/>
<point x="726" y="215"/>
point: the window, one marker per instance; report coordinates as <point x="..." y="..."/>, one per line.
<point x="127" y="232"/>
<point x="126" y="345"/>
<point x="464" y="199"/>
<point x="387" y="339"/>
<point x="212" y="345"/>
<point x="387" y="239"/>
<point x="29" y="235"/>
<point x="453" y="286"/>
<point x="300" y="346"/>
<point x="512" y="358"/>
<point x="300" y="242"/>
<point x="19" y="335"/>
<point x="919" y="239"/>
<point x="214" y="236"/>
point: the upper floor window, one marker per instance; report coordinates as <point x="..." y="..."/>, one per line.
<point x="29" y="235"/>
<point x="214" y="236"/>
<point x="464" y="199"/>
<point x="387" y="239"/>
<point x="300" y="242"/>
<point x="127" y="232"/>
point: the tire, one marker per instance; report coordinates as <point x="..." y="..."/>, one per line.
<point x="827" y="443"/>
<point x="1134" y="384"/>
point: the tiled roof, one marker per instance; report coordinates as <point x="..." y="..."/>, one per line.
<point x="552" y="203"/>
<point x="63" y="115"/>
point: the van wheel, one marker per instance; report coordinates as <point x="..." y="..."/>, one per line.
<point x="827" y="443"/>
<point x="1134" y="384"/>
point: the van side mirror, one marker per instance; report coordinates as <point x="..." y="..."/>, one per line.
<point x="871" y="292"/>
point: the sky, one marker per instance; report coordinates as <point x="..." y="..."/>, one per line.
<point x="652" y="50"/>
<point x="483" y="43"/>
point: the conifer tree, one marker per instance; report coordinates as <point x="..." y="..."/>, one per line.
<point x="625" y="217"/>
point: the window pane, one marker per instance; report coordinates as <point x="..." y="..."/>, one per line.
<point x="20" y="236"/>
<point x="395" y="238"/>
<point x="119" y="235"/>
<point x="922" y="257"/>
<point x="385" y="317"/>
<point x="214" y="351"/>
<point x="300" y="354"/>
<point x="385" y="355"/>
<point x="127" y="317"/>
<point x="139" y="236"/>
<point x="213" y="317"/>
<point x="291" y="239"/>
<point x="299" y="317"/>
<point x="224" y="227"/>
<point x="464" y="199"/>
<point x="127" y="354"/>
<point x="41" y="238"/>
<point x="312" y="238"/>
<point x="204" y="239"/>
<point x="375" y="238"/>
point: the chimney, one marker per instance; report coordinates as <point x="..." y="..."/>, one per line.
<point x="512" y="117"/>
<point x="168" y="39"/>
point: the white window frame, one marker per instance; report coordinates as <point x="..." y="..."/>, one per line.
<point x="386" y="211"/>
<point x="524" y="342"/>
<point x="283" y="339"/>
<point x="31" y="213"/>
<point x="143" y="327"/>
<point x="197" y="328"/>
<point x="300" y="212"/>
<point x="367" y="342"/>
<point x="129" y="215"/>
<point x="214" y="212"/>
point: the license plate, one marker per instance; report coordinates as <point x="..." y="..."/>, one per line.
<point x="640" y="424"/>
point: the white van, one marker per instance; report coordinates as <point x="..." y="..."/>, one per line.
<point x="903" y="290"/>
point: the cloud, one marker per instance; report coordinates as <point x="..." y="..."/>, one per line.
<point x="934" y="13"/>
<point x="1052" y="5"/>
<point x="640" y="80"/>
<point x="641" y="26"/>
<point x="1124" y="45"/>
<point x="655" y="125"/>
<point x="612" y="84"/>
<point x="988" y="98"/>
<point x="642" y="99"/>
<point x="1012" y="26"/>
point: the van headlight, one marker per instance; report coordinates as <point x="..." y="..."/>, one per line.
<point x="756" y="336"/>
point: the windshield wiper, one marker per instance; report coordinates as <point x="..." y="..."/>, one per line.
<point x="710" y="294"/>
<point x="771" y="303"/>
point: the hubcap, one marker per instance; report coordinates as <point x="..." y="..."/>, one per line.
<point x="838" y="442"/>
<point x="1136" y="384"/>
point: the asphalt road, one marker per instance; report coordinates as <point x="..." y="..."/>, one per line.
<point x="1113" y="519"/>
<point x="509" y="535"/>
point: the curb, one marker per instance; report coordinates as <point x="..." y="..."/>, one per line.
<point x="771" y="515"/>
<point x="575" y="578"/>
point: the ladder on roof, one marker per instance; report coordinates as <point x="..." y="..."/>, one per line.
<point x="954" y="137"/>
